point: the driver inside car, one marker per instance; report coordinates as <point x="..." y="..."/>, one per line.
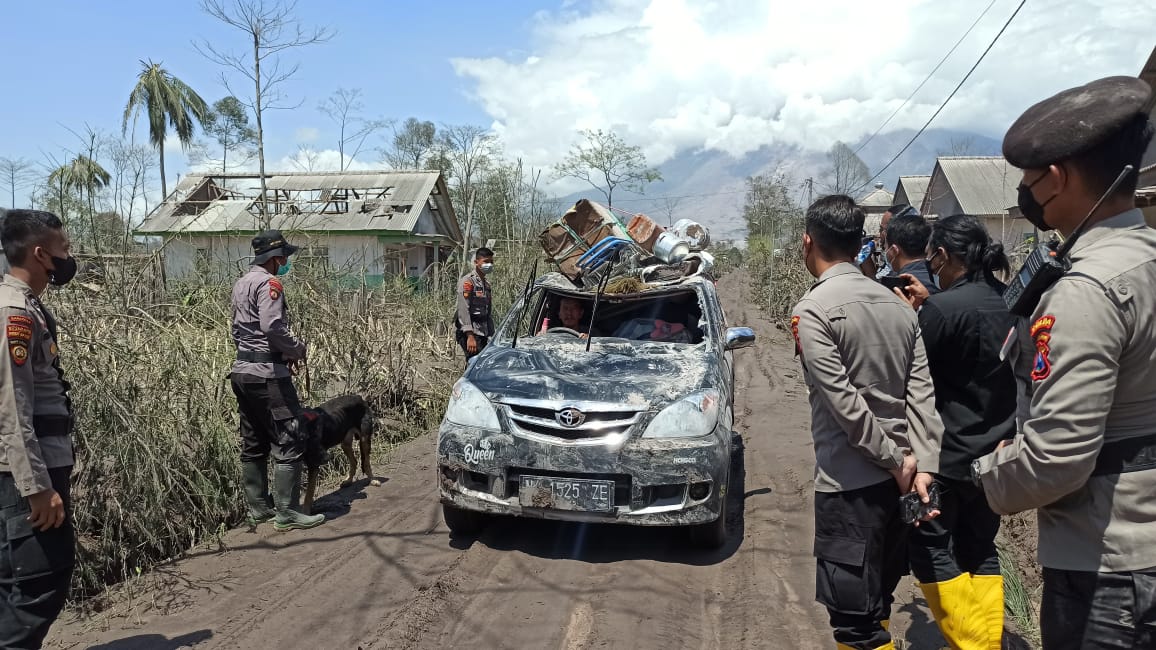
<point x="571" y="312"/>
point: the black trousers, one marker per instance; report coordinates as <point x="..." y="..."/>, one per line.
<point x="860" y="551"/>
<point x="960" y="540"/>
<point x="462" y="339"/>
<point x="1083" y="610"/>
<point x="271" y="419"/>
<point x="35" y="566"/>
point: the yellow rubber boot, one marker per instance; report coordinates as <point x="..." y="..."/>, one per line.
<point x="989" y="605"/>
<point x="952" y="602"/>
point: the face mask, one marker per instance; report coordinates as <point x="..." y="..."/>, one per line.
<point x="934" y="275"/>
<point x="487" y="268"/>
<point x="284" y="268"/>
<point x="63" y="270"/>
<point x="1032" y="209"/>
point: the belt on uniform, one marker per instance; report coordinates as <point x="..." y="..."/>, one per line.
<point x="260" y="357"/>
<point x="1127" y="455"/>
<point x="47" y="426"/>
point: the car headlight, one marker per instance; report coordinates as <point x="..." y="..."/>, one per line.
<point x="468" y="407"/>
<point x="694" y="415"/>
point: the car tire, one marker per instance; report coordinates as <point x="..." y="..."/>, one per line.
<point x="463" y="522"/>
<point x="712" y="535"/>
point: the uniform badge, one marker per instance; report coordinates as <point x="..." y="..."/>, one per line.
<point x="19" y="331"/>
<point x="1042" y="335"/>
<point x="467" y="288"/>
<point x="795" y="333"/>
<point x="275" y="289"/>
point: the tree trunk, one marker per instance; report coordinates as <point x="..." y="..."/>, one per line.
<point x="164" y="184"/>
<point x="260" y="130"/>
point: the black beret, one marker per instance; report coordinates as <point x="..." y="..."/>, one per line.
<point x="1074" y="121"/>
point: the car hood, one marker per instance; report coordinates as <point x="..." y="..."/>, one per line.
<point x="644" y="374"/>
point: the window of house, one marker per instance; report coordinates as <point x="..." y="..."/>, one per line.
<point x="313" y="258"/>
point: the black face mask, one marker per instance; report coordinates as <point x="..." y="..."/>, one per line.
<point x="63" y="270"/>
<point x="1032" y="209"/>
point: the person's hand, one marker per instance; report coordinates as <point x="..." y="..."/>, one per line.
<point x="47" y="510"/>
<point x="583" y="336"/>
<point x="905" y="474"/>
<point x="923" y="482"/>
<point x="1003" y="443"/>
<point x="471" y="344"/>
<point x="915" y="293"/>
<point x="295" y="366"/>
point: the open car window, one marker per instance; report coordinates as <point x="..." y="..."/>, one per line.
<point x="661" y="317"/>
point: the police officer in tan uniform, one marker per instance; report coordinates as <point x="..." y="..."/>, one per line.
<point x="37" y="546"/>
<point x="1086" y="454"/>
<point x="473" y="322"/>
<point x="873" y="420"/>
<point x="270" y="411"/>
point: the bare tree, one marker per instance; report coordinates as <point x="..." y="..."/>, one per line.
<point x="306" y="158"/>
<point x="669" y="205"/>
<point x="468" y="151"/>
<point x="270" y="27"/>
<point x="413" y="146"/>
<point x="344" y="108"/>
<point x="16" y="173"/>
<point x="961" y="146"/>
<point x="605" y="161"/>
<point x="846" y="173"/>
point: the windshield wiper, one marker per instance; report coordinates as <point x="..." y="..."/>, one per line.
<point x="525" y="302"/>
<point x="598" y="296"/>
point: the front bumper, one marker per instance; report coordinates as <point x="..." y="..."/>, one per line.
<point x="657" y="482"/>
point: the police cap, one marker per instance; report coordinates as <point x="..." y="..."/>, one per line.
<point x="270" y="244"/>
<point x="1073" y="121"/>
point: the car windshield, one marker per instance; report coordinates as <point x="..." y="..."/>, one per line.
<point x="671" y="317"/>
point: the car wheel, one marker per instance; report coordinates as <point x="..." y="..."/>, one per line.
<point x="461" y="521"/>
<point x="712" y="535"/>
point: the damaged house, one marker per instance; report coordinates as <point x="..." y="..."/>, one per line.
<point x="360" y="226"/>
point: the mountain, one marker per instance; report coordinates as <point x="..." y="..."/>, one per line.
<point x="710" y="186"/>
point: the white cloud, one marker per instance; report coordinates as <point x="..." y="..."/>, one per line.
<point x="306" y="134"/>
<point x="674" y="75"/>
<point x="326" y="160"/>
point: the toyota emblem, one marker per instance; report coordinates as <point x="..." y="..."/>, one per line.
<point x="570" y="417"/>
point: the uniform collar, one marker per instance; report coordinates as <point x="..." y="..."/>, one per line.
<point x="842" y="268"/>
<point x="18" y="283"/>
<point x="1126" y="220"/>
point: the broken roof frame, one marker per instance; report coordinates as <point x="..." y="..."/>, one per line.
<point x="383" y="202"/>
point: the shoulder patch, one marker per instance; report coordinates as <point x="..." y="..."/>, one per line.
<point x="1042" y="334"/>
<point x="795" y="333"/>
<point x="467" y="288"/>
<point x="275" y="289"/>
<point x="19" y="331"/>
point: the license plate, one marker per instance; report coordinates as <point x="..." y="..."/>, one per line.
<point x="566" y="494"/>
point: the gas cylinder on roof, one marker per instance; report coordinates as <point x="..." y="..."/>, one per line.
<point x="655" y="239"/>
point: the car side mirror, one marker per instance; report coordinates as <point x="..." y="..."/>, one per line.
<point x="739" y="337"/>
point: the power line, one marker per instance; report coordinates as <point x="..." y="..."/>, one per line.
<point x="944" y="104"/>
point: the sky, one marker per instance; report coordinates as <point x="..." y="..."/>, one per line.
<point x="669" y="75"/>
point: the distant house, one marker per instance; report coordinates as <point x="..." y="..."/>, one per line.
<point x="911" y="190"/>
<point x="874" y="204"/>
<point x="983" y="186"/>
<point x="362" y="225"/>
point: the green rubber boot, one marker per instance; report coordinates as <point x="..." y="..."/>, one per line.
<point x="255" y="478"/>
<point x="285" y="478"/>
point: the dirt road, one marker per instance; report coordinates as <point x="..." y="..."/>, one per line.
<point x="385" y="574"/>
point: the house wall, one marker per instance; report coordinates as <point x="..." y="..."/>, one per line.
<point x="1008" y="231"/>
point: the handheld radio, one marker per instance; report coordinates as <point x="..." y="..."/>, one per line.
<point x="1048" y="263"/>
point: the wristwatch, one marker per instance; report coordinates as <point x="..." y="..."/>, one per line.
<point x="975" y="471"/>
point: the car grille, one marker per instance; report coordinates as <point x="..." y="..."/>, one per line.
<point x="598" y="420"/>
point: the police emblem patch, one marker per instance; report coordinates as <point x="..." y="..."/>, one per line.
<point x="795" y="333"/>
<point x="19" y="331"/>
<point x="275" y="289"/>
<point x="1042" y="335"/>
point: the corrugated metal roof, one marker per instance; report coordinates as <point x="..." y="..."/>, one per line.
<point x="914" y="187"/>
<point x="981" y="184"/>
<point x="372" y="200"/>
<point x="877" y="198"/>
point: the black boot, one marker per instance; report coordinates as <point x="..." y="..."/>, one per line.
<point x="285" y="480"/>
<point x="255" y="478"/>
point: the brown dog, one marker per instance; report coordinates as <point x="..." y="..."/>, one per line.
<point x="340" y="420"/>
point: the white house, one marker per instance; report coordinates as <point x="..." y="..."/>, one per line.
<point x="363" y="226"/>
<point x="982" y="186"/>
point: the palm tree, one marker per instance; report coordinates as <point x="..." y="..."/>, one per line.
<point x="86" y="175"/>
<point x="168" y="102"/>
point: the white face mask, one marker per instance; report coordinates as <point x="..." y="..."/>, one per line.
<point x="487" y="268"/>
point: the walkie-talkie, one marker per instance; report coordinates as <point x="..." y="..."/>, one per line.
<point x="1047" y="264"/>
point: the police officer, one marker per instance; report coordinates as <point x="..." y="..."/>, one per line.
<point x="873" y="420"/>
<point x="37" y="546"/>
<point x="1086" y="454"/>
<point x="472" y="320"/>
<point x="267" y="356"/>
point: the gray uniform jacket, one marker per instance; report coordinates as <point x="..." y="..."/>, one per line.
<point x="35" y="413"/>
<point x="261" y="324"/>
<point x="474" y="304"/>
<point x="1094" y="381"/>
<point x="869" y="386"/>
